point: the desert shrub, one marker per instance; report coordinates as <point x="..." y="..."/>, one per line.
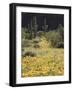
<point x="26" y="43"/>
<point x="27" y="36"/>
<point x="23" y="53"/>
<point x="60" y="28"/>
<point x="40" y="33"/>
<point x="60" y="45"/>
<point x="36" y="41"/>
<point x="29" y="53"/>
<point x="36" y="46"/>
<point x="25" y="33"/>
<point x="56" y="37"/>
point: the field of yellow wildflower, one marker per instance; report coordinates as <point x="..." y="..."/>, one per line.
<point x="48" y="61"/>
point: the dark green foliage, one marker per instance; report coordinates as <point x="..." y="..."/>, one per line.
<point x="36" y="40"/>
<point x="60" y="45"/>
<point x="56" y="37"/>
<point x="26" y="43"/>
<point x="40" y="33"/>
<point x="26" y="34"/>
<point x="36" y="46"/>
<point x="60" y="30"/>
<point x="32" y="54"/>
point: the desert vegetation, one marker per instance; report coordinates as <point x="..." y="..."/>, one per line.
<point x="42" y="50"/>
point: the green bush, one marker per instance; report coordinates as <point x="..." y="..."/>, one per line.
<point x="56" y="37"/>
<point x="60" y="45"/>
<point x="26" y="43"/>
<point x="36" y="46"/>
<point x="35" y="41"/>
<point x="29" y="53"/>
<point x="40" y="33"/>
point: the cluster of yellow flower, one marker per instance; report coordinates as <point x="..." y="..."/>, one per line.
<point x="47" y="64"/>
<point x="43" y="43"/>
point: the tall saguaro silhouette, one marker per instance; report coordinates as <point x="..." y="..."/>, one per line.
<point x="34" y="26"/>
<point x="45" y="26"/>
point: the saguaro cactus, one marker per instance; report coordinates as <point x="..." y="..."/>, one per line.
<point x="34" y="26"/>
<point x="45" y="26"/>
